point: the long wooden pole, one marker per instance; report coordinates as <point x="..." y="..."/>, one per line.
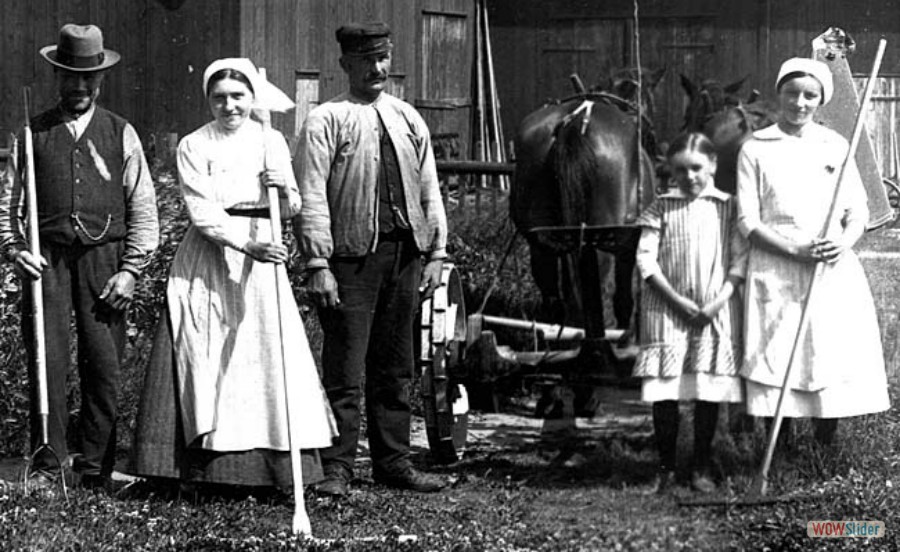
<point x="499" y="155"/>
<point x="37" y="296"/>
<point x="762" y="480"/>
<point x="479" y="126"/>
<point x="37" y="306"/>
<point x="300" y="523"/>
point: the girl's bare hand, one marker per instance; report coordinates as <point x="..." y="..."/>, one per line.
<point x="687" y="309"/>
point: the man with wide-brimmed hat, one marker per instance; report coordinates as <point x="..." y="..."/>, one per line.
<point x="98" y="226"/>
<point x="372" y="213"/>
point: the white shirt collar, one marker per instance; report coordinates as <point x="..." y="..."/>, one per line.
<point x="774" y="132"/>
<point x="710" y="191"/>
<point x="77" y="126"/>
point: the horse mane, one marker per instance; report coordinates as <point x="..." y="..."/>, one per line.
<point x="575" y="162"/>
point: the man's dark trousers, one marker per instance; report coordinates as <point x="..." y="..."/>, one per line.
<point x="370" y="336"/>
<point x="73" y="280"/>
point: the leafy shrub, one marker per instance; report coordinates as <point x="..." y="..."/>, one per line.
<point x="13" y="373"/>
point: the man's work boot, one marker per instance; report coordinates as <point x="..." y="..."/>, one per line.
<point x="336" y="484"/>
<point x="411" y="479"/>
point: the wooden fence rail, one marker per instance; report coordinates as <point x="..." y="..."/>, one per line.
<point x="472" y="187"/>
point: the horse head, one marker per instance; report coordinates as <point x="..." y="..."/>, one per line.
<point x="709" y="98"/>
<point x="719" y="112"/>
<point x="621" y="88"/>
<point x="625" y="83"/>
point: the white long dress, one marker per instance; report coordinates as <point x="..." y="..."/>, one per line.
<point x="787" y="183"/>
<point x="223" y="308"/>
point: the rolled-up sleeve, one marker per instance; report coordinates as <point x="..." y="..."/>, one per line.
<point x="312" y="166"/>
<point x="647" y="256"/>
<point x="142" y="222"/>
<point x="748" y="218"/>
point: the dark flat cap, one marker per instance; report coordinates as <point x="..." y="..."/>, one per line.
<point x="363" y="39"/>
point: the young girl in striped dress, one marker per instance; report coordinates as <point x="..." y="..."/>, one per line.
<point x="691" y="259"/>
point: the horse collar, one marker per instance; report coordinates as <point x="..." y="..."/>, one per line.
<point x="585" y="108"/>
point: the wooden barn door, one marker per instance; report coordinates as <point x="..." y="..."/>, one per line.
<point x="444" y="97"/>
<point x="597" y="47"/>
<point x="592" y="48"/>
<point x="684" y="46"/>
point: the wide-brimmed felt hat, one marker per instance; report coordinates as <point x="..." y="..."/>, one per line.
<point x="807" y="66"/>
<point x="80" y="49"/>
<point x="364" y="39"/>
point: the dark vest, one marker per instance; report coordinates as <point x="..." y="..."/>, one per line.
<point x="392" y="215"/>
<point x="80" y="196"/>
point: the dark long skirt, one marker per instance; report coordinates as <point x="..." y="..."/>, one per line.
<point x="159" y="449"/>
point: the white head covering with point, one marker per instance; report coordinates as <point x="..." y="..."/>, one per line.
<point x="819" y="71"/>
<point x="267" y="96"/>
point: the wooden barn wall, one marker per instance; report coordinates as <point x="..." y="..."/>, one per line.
<point x="295" y="38"/>
<point x="538" y="43"/>
<point x="295" y="41"/>
<point x="156" y="85"/>
<point x="445" y="53"/>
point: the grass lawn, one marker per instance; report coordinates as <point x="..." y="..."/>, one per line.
<point x="513" y="494"/>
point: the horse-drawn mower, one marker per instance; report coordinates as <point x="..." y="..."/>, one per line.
<point x="462" y="362"/>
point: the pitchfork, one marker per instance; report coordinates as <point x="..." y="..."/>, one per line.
<point x="37" y="314"/>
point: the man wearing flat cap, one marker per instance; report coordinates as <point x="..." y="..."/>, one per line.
<point x="373" y="234"/>
<point x="97" y="226"/>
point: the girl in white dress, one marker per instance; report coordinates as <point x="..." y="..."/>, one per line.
<point x="786" y="179"/>
<point x="691" y="260"/>
<point x="229" y="340"/>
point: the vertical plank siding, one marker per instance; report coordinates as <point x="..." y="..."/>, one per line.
<point x="157" y="86"/>
<point x="701" y="38"/>
<point x="536" y="45"/>
<point x="882" y="122"/>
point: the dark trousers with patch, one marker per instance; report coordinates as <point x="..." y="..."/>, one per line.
<point x="369" y="340"/>
<point x="73" y="281"/>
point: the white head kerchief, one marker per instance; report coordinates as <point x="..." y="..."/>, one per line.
<point x="819" y="70"/>
<point x="267" y="96"/>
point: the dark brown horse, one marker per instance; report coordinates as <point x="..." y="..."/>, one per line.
<point x="579" y="167"/>
<point x="717" y="111"/>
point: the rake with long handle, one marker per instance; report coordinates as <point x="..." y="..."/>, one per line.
<point x="37" y="312"/>
<point x="762" y="479"/>
<point x="300" y="523"/>
<point x="760" y="487"/>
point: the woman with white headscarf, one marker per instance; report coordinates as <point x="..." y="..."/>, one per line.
<point x="787" y="175"/>
<point x="213" y="406"/>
